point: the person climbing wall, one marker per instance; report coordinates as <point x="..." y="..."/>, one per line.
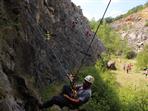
<point x="87" y="33"/>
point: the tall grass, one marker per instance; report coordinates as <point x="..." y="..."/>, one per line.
<point x="104" y="96"/>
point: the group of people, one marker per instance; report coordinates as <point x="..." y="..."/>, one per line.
<point x="127" y="67"/>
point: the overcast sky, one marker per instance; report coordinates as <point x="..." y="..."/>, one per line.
<point x="95" y="8"/>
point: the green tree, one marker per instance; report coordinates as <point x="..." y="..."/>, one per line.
<point x="110" y="38"/>
<point x="109" y="20"/>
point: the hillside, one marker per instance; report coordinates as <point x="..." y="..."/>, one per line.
<point x="134" y="28"/>
<point x="40" y="40"/>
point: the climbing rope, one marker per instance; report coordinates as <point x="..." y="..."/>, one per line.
<point x="89" y="46"/>
<point x="82" y="61"/>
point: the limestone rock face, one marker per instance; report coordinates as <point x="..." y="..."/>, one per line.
<point x="40" y="41"/>
<point x="134" y="29"/>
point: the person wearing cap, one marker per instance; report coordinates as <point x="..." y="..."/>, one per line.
<point x="66" y="99"/>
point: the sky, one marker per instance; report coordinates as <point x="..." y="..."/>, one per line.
<point x="95" y="8"/>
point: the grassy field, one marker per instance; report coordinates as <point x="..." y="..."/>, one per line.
<point x="135" y="79"/>
<point x="133" y="86"/>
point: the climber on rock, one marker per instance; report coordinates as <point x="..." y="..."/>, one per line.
<point x="87" y="33"/>
<point x="66" y="98"/>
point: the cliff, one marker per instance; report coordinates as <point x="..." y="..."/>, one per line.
<point x="134" y="29"/>
<point x="40" y="40"/>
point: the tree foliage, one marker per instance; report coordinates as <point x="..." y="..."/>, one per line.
<point x="110" y="38"/>
<point x="142" y="58"/>
<point x="131" y="11"/>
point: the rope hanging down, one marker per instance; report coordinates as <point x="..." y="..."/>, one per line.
<point x="82" y="61"/>
<point x="81" y="64"/>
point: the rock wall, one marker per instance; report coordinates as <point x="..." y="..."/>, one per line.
<point x="133" y="28"/>
<point x="39" y="40"/>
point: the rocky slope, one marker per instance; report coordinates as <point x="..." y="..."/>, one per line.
<point x="39" y="40"/>
<point x="134" y="29"/>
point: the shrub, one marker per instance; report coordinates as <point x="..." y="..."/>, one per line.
<point x="142" y="58"/>
<point x="109" y="37"/>
<point x="109" y="20"/>
<point x="130" y="54"/>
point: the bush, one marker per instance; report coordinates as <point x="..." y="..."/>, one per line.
<point x="109" y="20"/>
<point x="130" y="54"/>
<point x="142" y="58"/>
<point x="109" y="38"/>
